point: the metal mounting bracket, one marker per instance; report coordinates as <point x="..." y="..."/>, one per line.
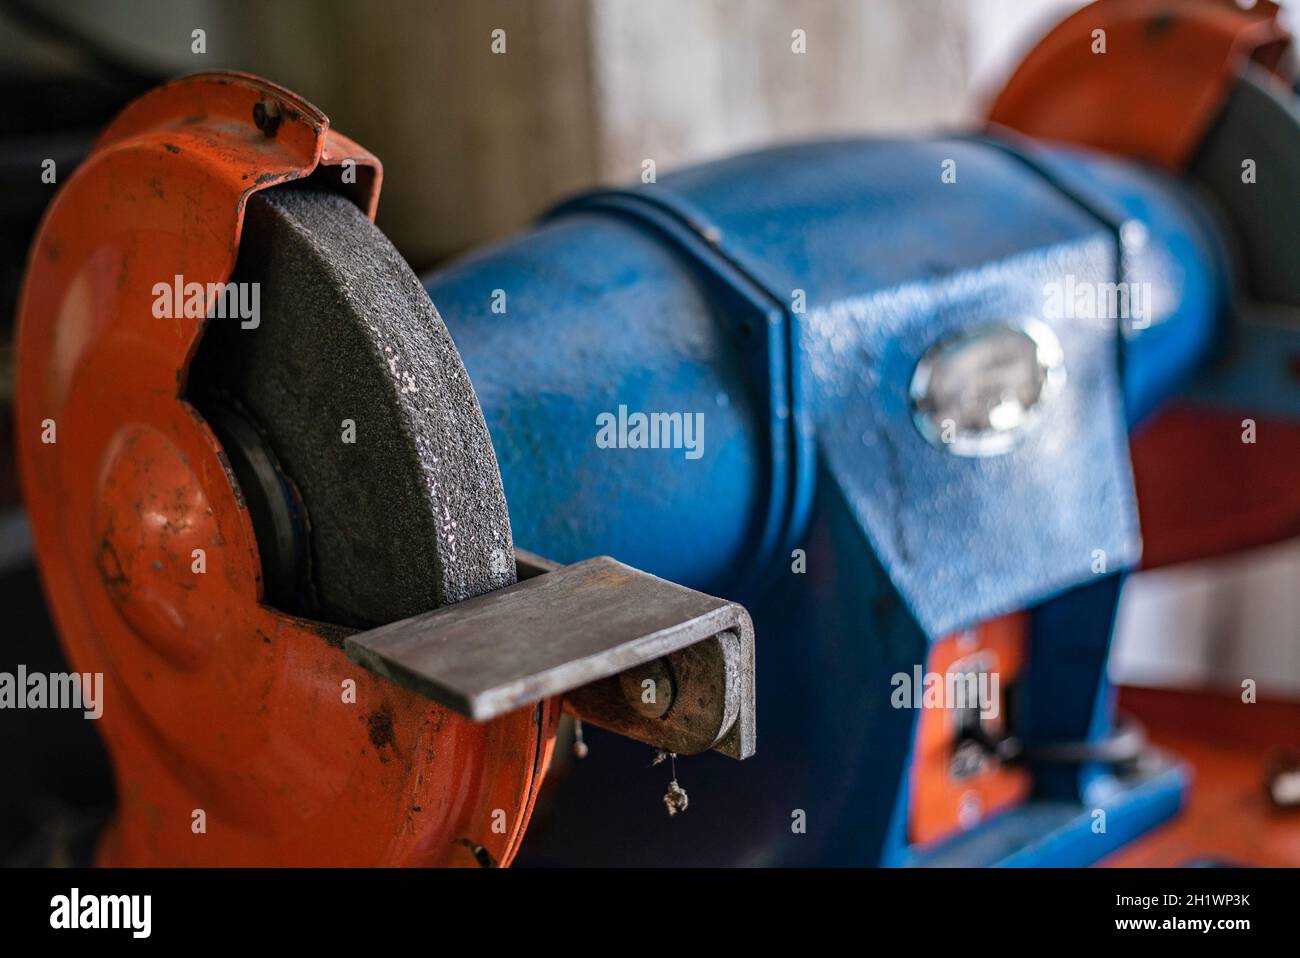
<point x="633" y="653"/>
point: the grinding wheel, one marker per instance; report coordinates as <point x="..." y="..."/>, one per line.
<point x="355" y="385"/>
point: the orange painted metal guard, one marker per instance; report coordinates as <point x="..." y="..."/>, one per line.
<point x="1167" y="67"/>
<point x="230" y="727"/>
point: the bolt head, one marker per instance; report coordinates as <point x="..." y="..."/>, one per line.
<point x="648" y="688"/>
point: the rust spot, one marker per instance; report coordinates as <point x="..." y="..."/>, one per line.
<point x="380" y="724"/>
<point x="110" y="567"/>
<point x="1159" y="25"/>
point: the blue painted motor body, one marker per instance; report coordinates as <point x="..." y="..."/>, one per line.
<point x="788" y="296"/>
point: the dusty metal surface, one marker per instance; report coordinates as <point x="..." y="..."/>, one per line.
<point x="566" y="629"/>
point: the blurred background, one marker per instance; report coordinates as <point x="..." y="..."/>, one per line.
<point x="475" y="144"/>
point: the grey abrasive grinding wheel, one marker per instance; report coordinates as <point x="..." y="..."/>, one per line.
<point x="409" y="514"/>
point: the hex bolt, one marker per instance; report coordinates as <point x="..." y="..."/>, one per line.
<point x="649" y="688"/>
<point x="266" y="115"/>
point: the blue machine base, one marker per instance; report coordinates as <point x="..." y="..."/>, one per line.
<point x="1060" y="834"/>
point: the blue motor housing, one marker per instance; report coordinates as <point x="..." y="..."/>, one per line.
<point x="787" y="299"/>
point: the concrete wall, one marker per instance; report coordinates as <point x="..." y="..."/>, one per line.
<point x="475" y="144"/>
